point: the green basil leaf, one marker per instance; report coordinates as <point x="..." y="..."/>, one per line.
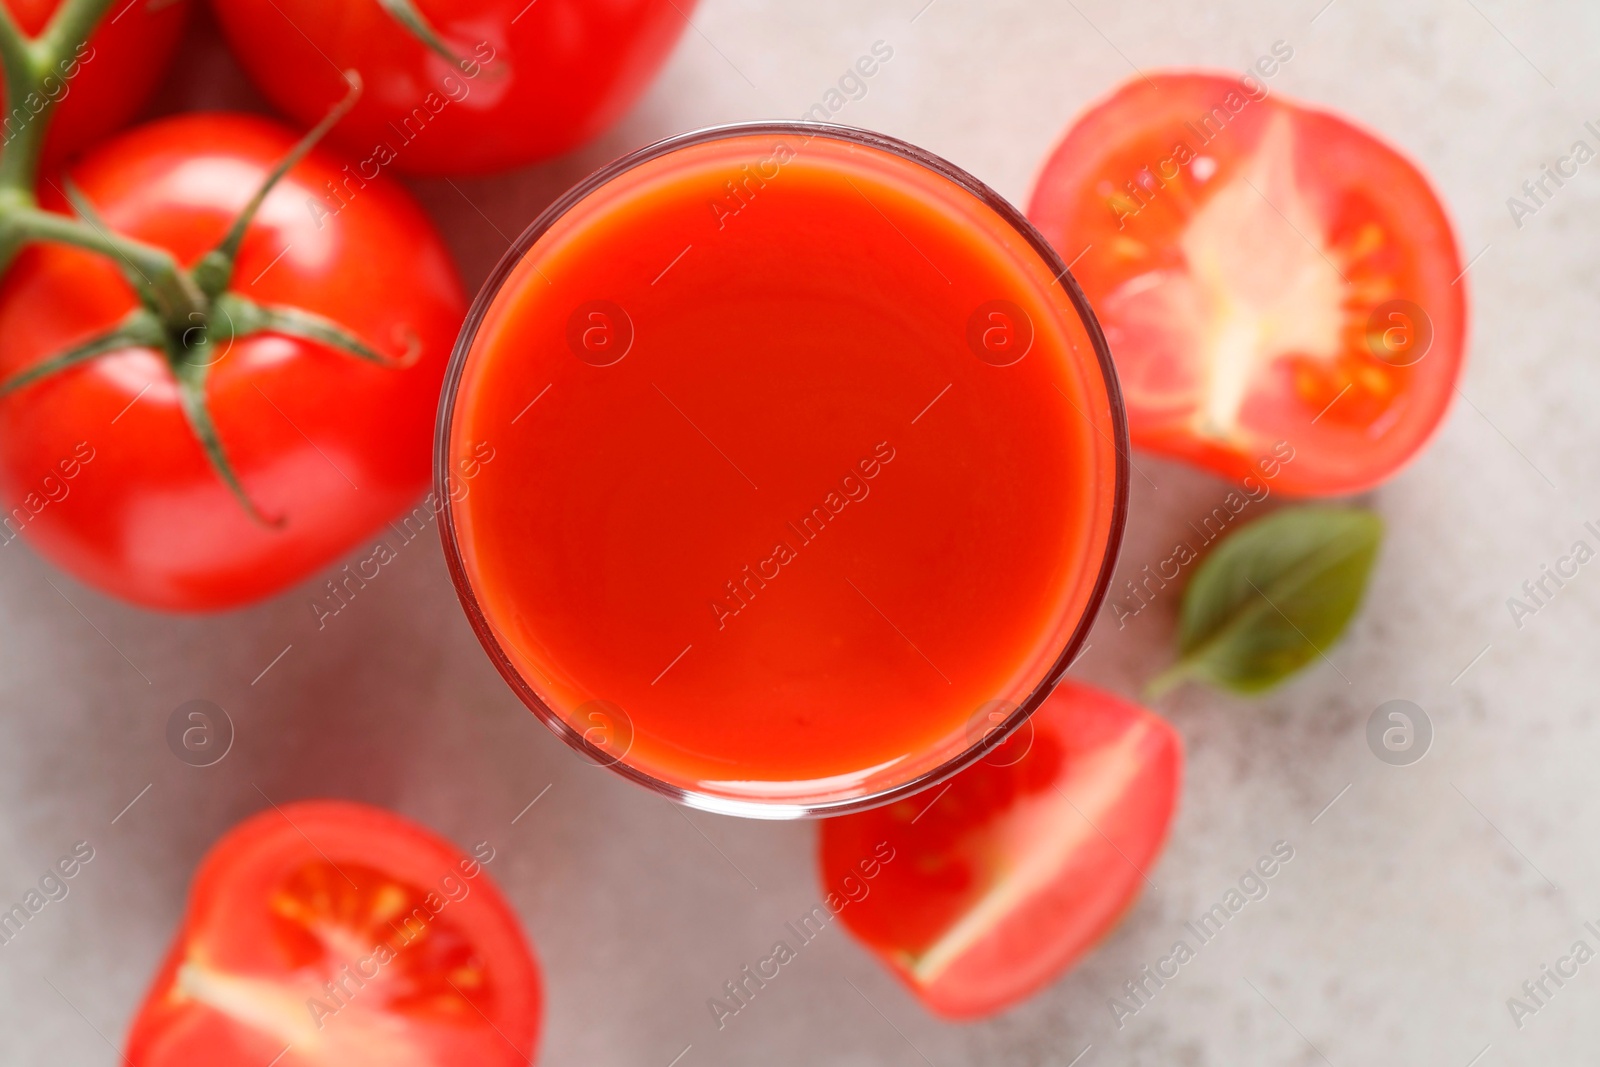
<point x="1273" y="596"/>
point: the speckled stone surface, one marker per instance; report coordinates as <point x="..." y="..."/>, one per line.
<point x="1414" y="906"/>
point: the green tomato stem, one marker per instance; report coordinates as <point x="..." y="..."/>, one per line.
<point x="74" y="22"/>
<point x="27" y="64"/>
<point x="215" y="269"/>
<point x="16" y="53"/>
<point x="169" y="288"/>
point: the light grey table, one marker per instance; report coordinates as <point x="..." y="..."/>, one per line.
<point x="1415" y="905"/>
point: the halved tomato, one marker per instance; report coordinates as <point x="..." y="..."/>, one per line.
<point x="1001" y="878"/>
<point x="1265" y="272"/>
<point x="340" y="935"/>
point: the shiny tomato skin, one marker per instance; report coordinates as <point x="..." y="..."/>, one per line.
<point x="998" y="881"/>
<point x="125" y="60"/>
<point x="328" y="444"/>
<point x="1120" y="191"/>
<point x="543" y="78"/>
<point x="301" y="895"/>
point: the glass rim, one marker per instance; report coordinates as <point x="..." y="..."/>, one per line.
<point x="716" y="802"/>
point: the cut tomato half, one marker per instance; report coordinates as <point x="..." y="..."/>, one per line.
<point x="1266" y="272"/>
<point x="338" y="935"/>
<point x="1002" y="878"/>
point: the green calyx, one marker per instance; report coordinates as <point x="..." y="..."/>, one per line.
<point x="187" y="315"/>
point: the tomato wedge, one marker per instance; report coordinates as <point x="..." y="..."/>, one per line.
<point x="1265" y="272"/>
<point x="329" y="933"/>
<point x="1002" y="878"/>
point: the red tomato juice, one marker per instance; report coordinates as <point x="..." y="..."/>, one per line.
<point x="781" y="460"/>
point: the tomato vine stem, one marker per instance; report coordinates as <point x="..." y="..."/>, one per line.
<point x="27" y="63"/>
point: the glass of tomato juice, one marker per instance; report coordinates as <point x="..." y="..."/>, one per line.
<point x="783" y="468"/>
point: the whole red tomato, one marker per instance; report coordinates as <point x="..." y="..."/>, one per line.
<point x="522" y="81"/>
<point x="1271" y="278"/>
<point x="100" y="468"/>
<point x="331" y="934"/>
<point x="107" y="81"/>
<point x="978" y="892"/>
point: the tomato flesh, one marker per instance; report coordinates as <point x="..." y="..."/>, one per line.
<point x="1265" y="272"/>
<point x="336" y="934"/>
<point x="1002" y="878"/>
<point x="539" y="78"/>
<point x="329" y="914"/>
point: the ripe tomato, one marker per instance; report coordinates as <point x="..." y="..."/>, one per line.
<point x="327" y="443"/>
<point x="529" y="80"/>
<point x="338" y="935"/>
<point x="1003" y="877"/>
<point x="109" y="81"/>
<point x="1265" y="272"/>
